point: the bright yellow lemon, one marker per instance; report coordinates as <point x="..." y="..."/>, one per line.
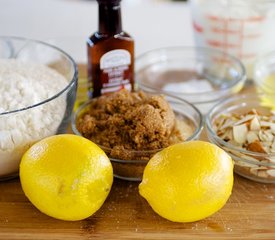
<point x="66" y="176"/>
<point x="188" y="181"/>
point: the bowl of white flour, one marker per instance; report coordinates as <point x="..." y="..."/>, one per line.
<point x="38" y="85"/>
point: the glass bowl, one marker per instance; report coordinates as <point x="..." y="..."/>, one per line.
<point x="24" y="123"/>
<point x="256" y="166"/>
<point x="132" y="169"/>
<point x="201" y="76"/>
<point x="264" y="75"/>
<point x="5" y="47"/>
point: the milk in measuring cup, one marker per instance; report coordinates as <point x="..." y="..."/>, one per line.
<point x="243" y="28"/>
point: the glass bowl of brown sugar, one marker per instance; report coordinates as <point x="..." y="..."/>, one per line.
<point x="132" y="126"/>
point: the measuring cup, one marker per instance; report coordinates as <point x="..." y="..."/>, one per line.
<point x="243" y="28"/>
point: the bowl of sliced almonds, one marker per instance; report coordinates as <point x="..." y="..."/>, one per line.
<point x="244" y="126"/>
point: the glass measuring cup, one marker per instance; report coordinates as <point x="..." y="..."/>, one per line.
<point x="243" y="28"/>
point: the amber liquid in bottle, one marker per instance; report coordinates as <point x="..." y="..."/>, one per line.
<point x="110" y="53"/>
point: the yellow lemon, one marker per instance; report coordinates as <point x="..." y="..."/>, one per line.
<point x="66" y="176"/>
<point x="188" y="181"/>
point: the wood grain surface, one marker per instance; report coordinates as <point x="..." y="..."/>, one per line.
<point x="249" y="214"/>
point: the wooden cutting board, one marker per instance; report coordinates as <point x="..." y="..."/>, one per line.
<point x="249" y="214"/>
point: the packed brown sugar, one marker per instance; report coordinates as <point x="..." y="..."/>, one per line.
<point x="126" y="124"/>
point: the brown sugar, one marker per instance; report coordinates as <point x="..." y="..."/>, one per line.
<point x="126" y="123"/>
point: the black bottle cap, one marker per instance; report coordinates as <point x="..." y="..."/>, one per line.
<point x="109" y="1"/>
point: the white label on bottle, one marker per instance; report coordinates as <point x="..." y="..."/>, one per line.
<point x="115" y="58"/>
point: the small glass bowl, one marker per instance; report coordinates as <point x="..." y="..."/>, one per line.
<point x="264" y="75"/>
<point x="132" y="170"/>
<point x="21" y="128"/>
<point x="201" y="76"/>
<point x="256" y="166"/>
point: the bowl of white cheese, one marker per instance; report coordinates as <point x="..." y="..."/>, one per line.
<point x="38" y="84"/>
<point x="201" y="76"/>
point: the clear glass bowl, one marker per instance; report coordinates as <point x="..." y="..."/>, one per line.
<point x="199" y="75"/>
<point x="32" y="123"/>
<point x="132" y="170"/>
<point x="256" y="166"/>
<point x="264" y="74"/>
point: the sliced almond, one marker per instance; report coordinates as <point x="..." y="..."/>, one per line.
<point x="267" y="144"/>
<point x="273" y="145"/>
<point x="262" y="173"/>
<point x="255" y="124"/>
<point x="240" y="133"/>
<point x="267" y="124"/>
<point x="254" y="171"/>
<point x="271" y="172"/>
<point x="249" y="131"/>
<point x="227" y="135"/>
<point x="256" y="147"/>
<point x="245" y="164"/>
<point x="252" y="136"/>
<point x="242" y="155"/>
<point x="271" y="159"/>
<point x="253" y="111"/>
<point x="245" y="119"/>
<point x="260" y="168"/>
<point x="235" y="144"/>
<point x="266" y="136"/>
<point x="227" y="123"/>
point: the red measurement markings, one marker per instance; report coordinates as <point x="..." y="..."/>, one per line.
<point x="219" y="44"/>
<point x="221" y="60"/>
<point x="222" y="19"/>
<point x="252" y="36"/>
<point x="225" y="45"/>
<point x="256" y="19"/>
<point x="224" y="30"/>
<point x="197" y="27"/>
<point x="214" y="18"/>
<point x="233" y="32"/>
<point x="242" y="22"/>
<point x="249" y="55"/>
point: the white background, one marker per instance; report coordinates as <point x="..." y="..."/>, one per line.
<point x="68" y="23"/>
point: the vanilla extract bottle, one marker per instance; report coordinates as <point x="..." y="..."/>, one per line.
<point x="110" y="53"/>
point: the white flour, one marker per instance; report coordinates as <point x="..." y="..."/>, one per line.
<point x="21" y="86"/>
<point x="191" y="86"/>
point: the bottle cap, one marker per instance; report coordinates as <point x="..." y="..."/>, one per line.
<point x="108" y="1"/>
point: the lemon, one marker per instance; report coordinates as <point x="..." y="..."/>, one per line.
<point x="66" y="176"/>
<point x="188" y="181"/>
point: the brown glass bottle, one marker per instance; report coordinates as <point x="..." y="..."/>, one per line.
<point x="110" y="53"/>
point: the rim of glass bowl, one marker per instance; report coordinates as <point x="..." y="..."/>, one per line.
<point x="204" y="50"/>
<point x="261" y="61"/>
<point x="195" y="134"/>
<point x="68" y="86"/>
<point x="216" y="112"/>
<point x="245" y="3"/>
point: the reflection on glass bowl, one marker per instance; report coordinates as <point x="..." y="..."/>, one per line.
<point x="37" y="112"/>
<point x="131" y="165"/>
<point x="256" y="166"/>
<point x="199" y="75"/>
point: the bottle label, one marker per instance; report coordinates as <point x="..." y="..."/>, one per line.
<point x="114" y="66"/>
